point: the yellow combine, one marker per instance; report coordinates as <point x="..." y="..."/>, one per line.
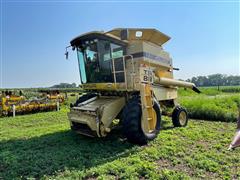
<point x="127" y="75"/>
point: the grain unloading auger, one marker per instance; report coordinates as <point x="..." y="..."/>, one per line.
<point x="128" y="76"/>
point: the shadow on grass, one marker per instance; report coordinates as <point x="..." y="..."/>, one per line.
<point x="166" y="124"/>
<point x="44" y="155"/>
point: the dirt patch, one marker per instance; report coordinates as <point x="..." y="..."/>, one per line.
<point x="165" y="163"/>
<point x="181" y="167"/>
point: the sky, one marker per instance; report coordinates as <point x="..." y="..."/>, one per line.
<point x="34" y="34"/>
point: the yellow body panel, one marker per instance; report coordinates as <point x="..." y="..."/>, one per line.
<point x="150" y="35"/>
<point x="111" y="110"/>
<point x="104" y="86"/>
<point x="97" y="114"/>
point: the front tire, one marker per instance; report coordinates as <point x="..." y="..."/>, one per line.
<point x="132" y="128"/>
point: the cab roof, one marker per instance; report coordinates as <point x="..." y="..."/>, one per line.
<point x="150" y="35"/>
<point x="96" y="35"/>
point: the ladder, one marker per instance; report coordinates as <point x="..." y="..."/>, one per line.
<point x="123" y="58"/>
<point x="147" y="108"/>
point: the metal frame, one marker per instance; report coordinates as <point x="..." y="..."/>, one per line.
<point x="124" y="69"/>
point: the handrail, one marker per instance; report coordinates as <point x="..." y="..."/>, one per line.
<point x="133" y="69"/>
<point x="124" y="69"/>
<point x="114" y="72"/>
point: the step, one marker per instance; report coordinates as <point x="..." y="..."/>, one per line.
<point x="148" y="107"/>
<point x="149" y="119"/>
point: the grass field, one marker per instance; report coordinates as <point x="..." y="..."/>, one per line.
<point x="42" y="146"/>
<point x="212" y="104"/>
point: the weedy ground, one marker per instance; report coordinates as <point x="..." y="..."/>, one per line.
<point x="41" y="146"/>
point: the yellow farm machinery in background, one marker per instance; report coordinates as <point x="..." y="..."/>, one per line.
<point x="11" y="104"/>
<point x="53" y="95"/>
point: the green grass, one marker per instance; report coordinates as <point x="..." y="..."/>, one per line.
<point x="41" y="146"/>
<point x="212" y="104"/>
<point x="229" y="89"/>
<point x="211" y="91"/>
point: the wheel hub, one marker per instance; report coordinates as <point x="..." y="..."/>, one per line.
<point x="182" y="117"/>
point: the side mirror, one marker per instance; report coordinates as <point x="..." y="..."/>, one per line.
<point x="176" y="69"/>
<point x="66" y="54"/>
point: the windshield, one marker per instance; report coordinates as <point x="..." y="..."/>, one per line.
<point x="95" y="62"/>
<point x="81" y="66"/>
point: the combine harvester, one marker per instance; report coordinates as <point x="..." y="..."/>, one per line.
<point x="127" y="75"/>
<point x="11" y="104"/>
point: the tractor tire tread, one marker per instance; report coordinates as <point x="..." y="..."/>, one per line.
<point x="175" y="116"/>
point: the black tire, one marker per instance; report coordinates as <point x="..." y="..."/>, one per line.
<point x="176" y="117"/>
<point x="131" y="122"/>
<point x="74" y="126"/>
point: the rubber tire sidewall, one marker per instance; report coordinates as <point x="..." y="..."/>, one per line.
<point x="175" y="116"/>
<point x="135" y="134"/>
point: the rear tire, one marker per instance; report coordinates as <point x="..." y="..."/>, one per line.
<point x="131" y="122"/>
<point x="179" y="117"/>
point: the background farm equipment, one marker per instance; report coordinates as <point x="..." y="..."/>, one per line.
<point x="53" y="95"/>
<point x="11" y="104"/>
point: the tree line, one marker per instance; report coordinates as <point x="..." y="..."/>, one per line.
<point x="64" y="85"/>
<point x="215" y="80"/>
